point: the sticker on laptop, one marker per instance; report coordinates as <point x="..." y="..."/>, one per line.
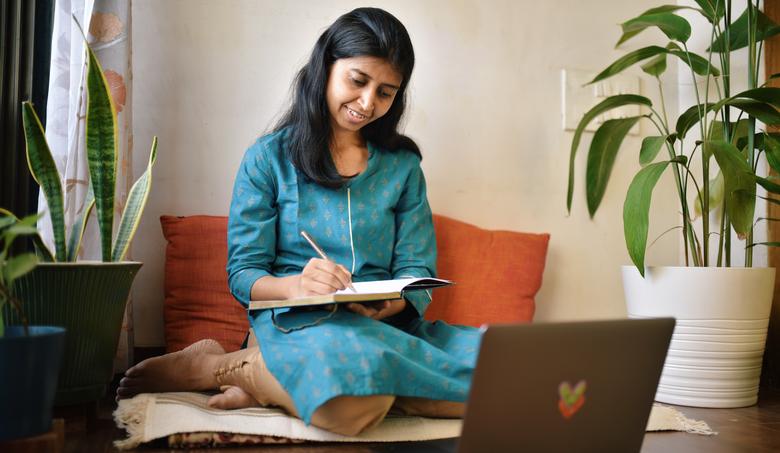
<point x="571" y="398"/>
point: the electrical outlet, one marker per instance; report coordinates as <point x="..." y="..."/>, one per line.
<point x="577" y="98"/>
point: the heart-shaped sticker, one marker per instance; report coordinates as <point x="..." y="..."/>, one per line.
<point x="571" y="399"/>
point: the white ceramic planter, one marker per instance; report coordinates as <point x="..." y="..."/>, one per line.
<point x="722" y="316"/>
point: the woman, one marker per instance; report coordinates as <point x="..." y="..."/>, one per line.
<point x="336" y="167"/>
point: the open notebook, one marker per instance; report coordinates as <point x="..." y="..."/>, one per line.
<point x="364" y="292"/>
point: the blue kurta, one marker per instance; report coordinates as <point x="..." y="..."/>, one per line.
<point x="378" y="226"/>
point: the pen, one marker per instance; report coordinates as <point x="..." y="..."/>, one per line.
<point x="320" y="252"/>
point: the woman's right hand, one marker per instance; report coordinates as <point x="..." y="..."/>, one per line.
<point x="320" y="277"/>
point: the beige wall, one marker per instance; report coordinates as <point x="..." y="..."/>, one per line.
<point x="486" y="109"/>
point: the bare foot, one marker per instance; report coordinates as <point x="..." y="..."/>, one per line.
<point x="232" y="397"/>
<point x="190" y="369"/>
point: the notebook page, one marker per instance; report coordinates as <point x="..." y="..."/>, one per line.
<point x="378" y="286"/>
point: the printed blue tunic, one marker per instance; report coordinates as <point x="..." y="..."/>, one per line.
<point x="379" y="227"/>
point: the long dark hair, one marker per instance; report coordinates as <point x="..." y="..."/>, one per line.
<point x="361" y="32"/>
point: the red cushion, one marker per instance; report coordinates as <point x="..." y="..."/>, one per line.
<point x="198" y="303"/>
<point x="497" y="275"/>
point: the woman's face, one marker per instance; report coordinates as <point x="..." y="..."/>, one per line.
<point x="360" y="90"/>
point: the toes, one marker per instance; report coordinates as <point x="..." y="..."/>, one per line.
<point x="129" y="382"/>
<point x="232" y="398"/>
<point x="136" y="370"/>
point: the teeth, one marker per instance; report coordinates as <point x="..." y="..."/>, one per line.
<point x="355" y="114"/>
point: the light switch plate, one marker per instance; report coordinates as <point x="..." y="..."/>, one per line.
<point x="577" y="98"/>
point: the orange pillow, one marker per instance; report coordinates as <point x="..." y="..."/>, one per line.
<point x="496" y="274"/>
<point x="198" y="303"/>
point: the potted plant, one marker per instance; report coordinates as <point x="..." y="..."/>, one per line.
<point x="88" y="298"/>
<point x="30" y="356"/>
<point x="722" y="311"/>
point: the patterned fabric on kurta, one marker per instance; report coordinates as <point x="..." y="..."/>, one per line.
<point x="378" y="226"/>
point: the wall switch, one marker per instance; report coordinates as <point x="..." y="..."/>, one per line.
<point x="577" y="98"/>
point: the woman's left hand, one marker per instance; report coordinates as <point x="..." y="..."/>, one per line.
<point x="378" y="310"/>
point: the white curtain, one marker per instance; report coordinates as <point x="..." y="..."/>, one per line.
<point x="107" y="24"/>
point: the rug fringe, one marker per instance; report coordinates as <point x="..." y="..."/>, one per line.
<point x="131" y="416"/>
<point x="690" y="425"/>
<point x="694" y="426"/>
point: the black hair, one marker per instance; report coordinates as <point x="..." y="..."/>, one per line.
<point x="361" y="32"/>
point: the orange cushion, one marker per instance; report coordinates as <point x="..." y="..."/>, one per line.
<point x="198" y="303"/>
<point x="496" y="274"/>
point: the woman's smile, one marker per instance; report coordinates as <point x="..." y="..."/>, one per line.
<point x="355" y="116"/>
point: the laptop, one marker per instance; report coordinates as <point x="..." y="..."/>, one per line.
<point x="565" y="387"/>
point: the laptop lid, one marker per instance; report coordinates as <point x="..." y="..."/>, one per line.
<point x="578" y="386"/>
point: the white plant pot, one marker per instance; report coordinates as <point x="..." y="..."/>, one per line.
<point x="722" y="314"/>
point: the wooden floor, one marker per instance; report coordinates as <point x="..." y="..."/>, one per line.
<point x="751" y="430"/>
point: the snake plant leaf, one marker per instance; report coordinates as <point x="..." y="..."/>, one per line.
<point x="651" y="145"/>
<point x="607" y="104"/>
<point x="136" y="202"/>
<point x="101" y="133"/>
<point x="45" y="173"/>
<point x="636" y="211"/>
<point x="601" y="158"/>
<point x="80" y="224"/>
<point x="692" y="116"/>
<point x="739" y="185"/>
<point x="738" y="32"/>
<point x="673" y="26"/>
<point x="713" y="10"/>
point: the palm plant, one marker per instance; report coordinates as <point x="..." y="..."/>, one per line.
<point x="726" y="123"/>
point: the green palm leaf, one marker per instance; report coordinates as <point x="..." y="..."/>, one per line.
<point x="672" y="25"/>
<point x="738" y="32"/>
<point x="45" y="173"/>
<point x="651" y="146"/>
<point x="692" y="116"/>
<point x="607" y="104"/>
<point x="601" y="158"/>
<point x="698" y="64"/>
<point x="136" y="202"/>
<point x="636" y="212"/>
<point x="739" y="185"/>
<point x="713" y="10"/>
<point x="768" y="184"/>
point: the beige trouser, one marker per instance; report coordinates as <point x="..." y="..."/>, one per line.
<point x="347" y="415"/>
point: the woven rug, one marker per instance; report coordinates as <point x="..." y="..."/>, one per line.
<point x="186" y="421"/>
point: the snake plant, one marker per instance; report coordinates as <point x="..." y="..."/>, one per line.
<point x="101" y="144"/>
<point x="726" y="123"/>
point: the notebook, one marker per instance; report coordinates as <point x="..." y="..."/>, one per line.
<point x="565" y="387"/>
<point x="364" y="292"/>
